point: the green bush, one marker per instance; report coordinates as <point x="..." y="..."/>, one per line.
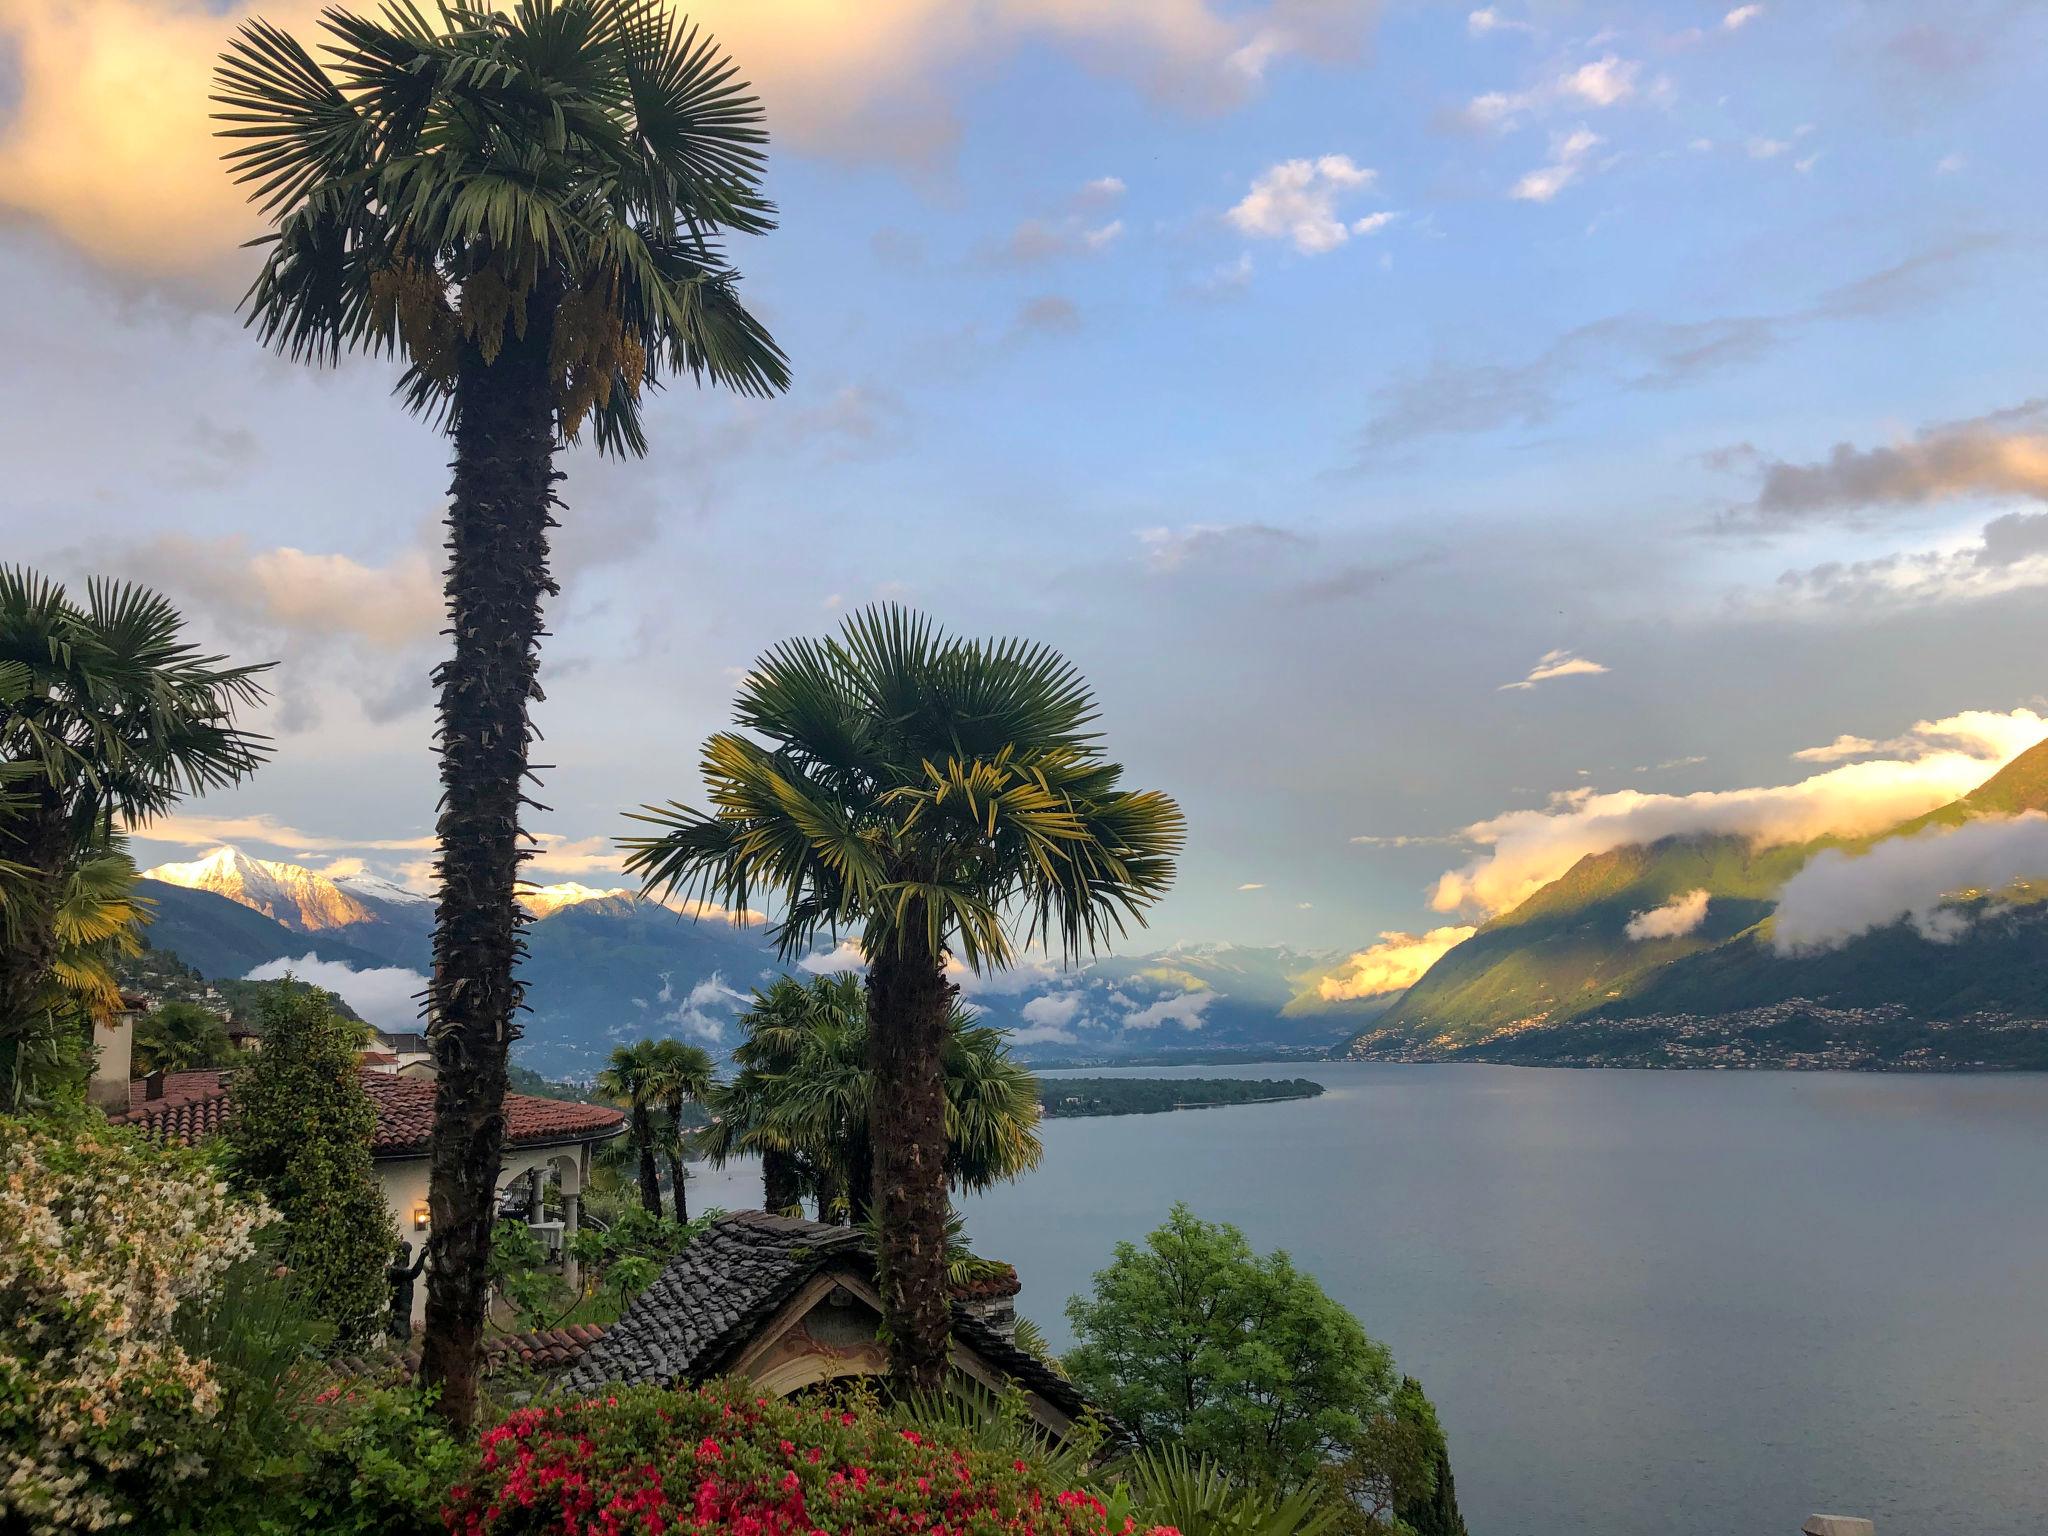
<point x="301" y="1135"/>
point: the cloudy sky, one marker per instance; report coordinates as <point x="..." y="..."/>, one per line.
<point x="1451" y="439"/>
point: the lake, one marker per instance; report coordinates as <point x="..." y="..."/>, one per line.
<point x="1685" y="1302"/>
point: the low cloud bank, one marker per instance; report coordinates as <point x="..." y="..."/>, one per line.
<point x="1936" y="762"/>
<point x="1394" y="964"/>
<point x="1674" y="920"/>
<point x="388" y="996"/>
<point x="1836" y="898"/>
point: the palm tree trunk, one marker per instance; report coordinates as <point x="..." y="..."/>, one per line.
<point x="908" y="1001"/>
<point x="650" y="1172"/>
<point x="500" y="509"/>
<point x="831" y="1195"/>
<point x="779" y="1187"/>
<point x="679" y="1176"/>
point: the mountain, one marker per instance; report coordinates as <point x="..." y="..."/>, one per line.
<point x="221" y="938"/>
<point x="1667" y="954"/>
<point x="367" y="915"/>
<point x="605" y="967"/>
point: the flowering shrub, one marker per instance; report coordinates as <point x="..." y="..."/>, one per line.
<point x="105" y="1237"/>
<point x="647" y="1462"/>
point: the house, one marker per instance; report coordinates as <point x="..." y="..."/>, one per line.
<point x="405" y="1053"/>
<point x="790" y="1304"/>
<point x="545" y="1140"/>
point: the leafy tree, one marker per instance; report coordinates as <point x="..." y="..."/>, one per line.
<point x="944" y="799"/>
<point x="630" y="1081"/>
<point x="107" y="715"/>
<point x="179" y="1037"/>
<point x="1396" y="1476"/>
<point x="525" y="203"/>
<point x="682" y="1076"/>
<point x="775" y="1024"/>
<point x="301" y="1135"/>
<point x="1236" y="1356"/>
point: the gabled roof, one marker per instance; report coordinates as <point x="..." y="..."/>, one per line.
<point x="196" y="1105"/>
<point x="715" y="1296"/>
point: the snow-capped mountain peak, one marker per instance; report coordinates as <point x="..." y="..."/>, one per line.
<point x="296" y="897"/>
<point x="541" y="900"/>
<point x="371" y="888"/>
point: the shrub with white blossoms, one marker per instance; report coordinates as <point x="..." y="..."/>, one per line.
<point x="104" y="1237"/>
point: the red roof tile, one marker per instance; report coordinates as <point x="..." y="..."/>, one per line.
<point x="195" y="1105"/>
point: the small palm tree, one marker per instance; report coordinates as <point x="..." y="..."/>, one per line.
<point x="524" y="201"/>
<point x="947" y="800"/>
<point x="681" y="1074"/>
<point x="107" y="715"/>
<point x="740" y="1124"/>
<point x="631" y="1081"/>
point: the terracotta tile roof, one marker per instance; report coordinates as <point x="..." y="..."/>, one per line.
<point x="380" y="1058"/>
<point x="195" y="1105"/>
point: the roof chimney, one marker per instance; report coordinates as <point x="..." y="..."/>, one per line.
<point x="153" y="1085"/>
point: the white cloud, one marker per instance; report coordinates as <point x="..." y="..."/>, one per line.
<point x="707" y="1008"/>
<point x="1840" y="749"/>
<point x="1986" y="733"/>
<point x="1297" y="200"/>
<point x="1604" y="82"/>
<point x="1182" y="1008"/>
<point x="1740" y="17"/>
<point x="1168" y="549"/>
<point x="1674" y="920"/>
<point x="1042" y="1034"/>
<point x="1102" y="190"/>
<point x="1767" y="149"/>
<point x="388" y="996"/>
<point x="1948" y="165"/>
<point x="1394" y="964"/>
<point x="1836" y="897"/>
<point x="1252" y="885"/>
<point x="1527" y="849"/>
<point x="846" y="955"/>
<point x="1054" y="1010"/>
<point x="1568" y="154"/>
<point x="1488" y="20"/>
<point x="1555" y="664"/>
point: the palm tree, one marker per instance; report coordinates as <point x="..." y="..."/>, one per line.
<point x="739" y="1111"/>
<point x="681" y="1074"/>
<point x="525" y="202"/>
<point x="107" y="716"/>
<point x="180" y="1036"/>
<point x="631" y="1081"/>
<point x="948" y="800"/>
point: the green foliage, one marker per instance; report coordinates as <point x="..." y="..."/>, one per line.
<point x="1065" y="1097"/>
<point x="301" y="1134"/>
<point x="1238" y="1357"/>
<point x="1396" y="1477"/>
<point x="804" y="1089"/>
<point x="1168" y="1487"/>
<point x="442" y="185"/>
<point x="107" y="714"/>
<point x="179" y="1037"/>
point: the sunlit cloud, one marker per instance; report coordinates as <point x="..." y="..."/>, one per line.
<point x="1555" y="664"/>
<point x="1674" y="920"/>
<point x="1568" y="155"/>
<point x="1527" y="849"/>
<point x="1395" y="963"/>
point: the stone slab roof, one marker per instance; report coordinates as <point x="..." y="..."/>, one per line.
<point x="196" y="1105"/>
<point x="694" y="1320"/>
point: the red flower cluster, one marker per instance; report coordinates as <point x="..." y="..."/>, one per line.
<point x="719" y="1462"/>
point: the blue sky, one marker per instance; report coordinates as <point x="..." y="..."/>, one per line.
<point x="1307" y="372"/>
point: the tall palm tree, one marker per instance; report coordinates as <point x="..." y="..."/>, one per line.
<point x="632" y="1082"/>
<point x="945" y="799"/>
<point x="681" y="1075"/>
<point x="525" y="203"/>
<point x="107" y="715"/>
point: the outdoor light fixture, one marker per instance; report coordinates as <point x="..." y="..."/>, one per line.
<point x="419" y="1216"/>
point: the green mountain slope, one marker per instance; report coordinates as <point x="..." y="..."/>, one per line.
<point x="1560" y="978"/>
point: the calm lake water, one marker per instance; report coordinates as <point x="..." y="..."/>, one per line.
<point x="1698" y="1303"/>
